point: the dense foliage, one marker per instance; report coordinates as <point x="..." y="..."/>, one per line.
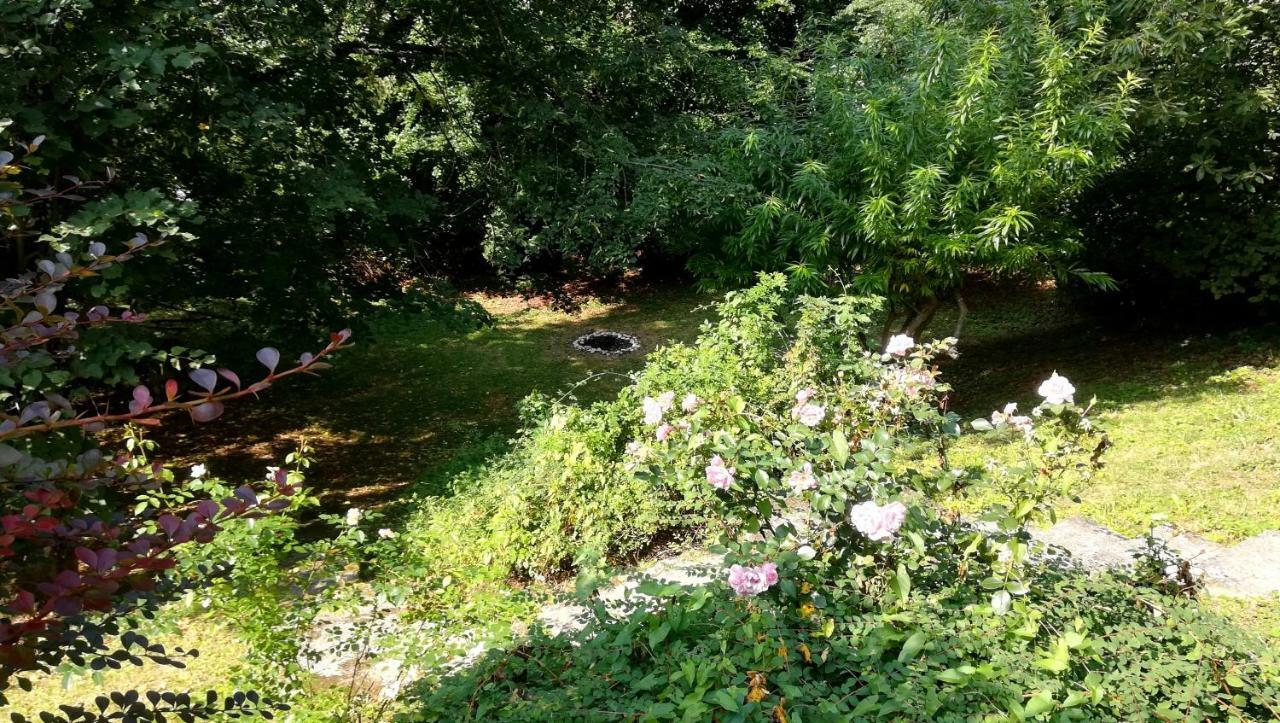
<point x="349" y="147"/>
<point x="88" y="537"/>
<point x="1195" y="202"/>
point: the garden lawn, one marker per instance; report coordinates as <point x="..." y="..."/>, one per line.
<point x="220" y="652"/>
<point x="1195" y="417"/>
<point x="413" y="394"/>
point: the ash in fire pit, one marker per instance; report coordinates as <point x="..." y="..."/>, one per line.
<point x="609" y="343"/>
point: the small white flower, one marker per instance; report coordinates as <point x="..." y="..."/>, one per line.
<point x="652" y="411"/>
<point x="353" y="516"/>
<point x="198" y="471"/>
<point x="690" y="403"/>
<point x="1057" y="390"/>
<point x="899" y="345"/>
<point x="386" y="533"/>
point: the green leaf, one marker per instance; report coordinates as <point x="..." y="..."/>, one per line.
<point x="839" y="447"/>
<point x="657" y="635"/>
<point x="913" y="646"/>
<point x="1040" y="703"/>
<point x="902" y="583"/>
<point x="725" y="699"/>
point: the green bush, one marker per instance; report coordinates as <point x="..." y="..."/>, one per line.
<point x="1086" y="649"/>
<point x="566" y="494"/>
<point x="851" y="592"/>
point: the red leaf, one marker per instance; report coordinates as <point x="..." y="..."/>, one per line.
<point x="87" y="556"/>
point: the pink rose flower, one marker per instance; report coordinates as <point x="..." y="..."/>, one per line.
<point x="666" y="399"/>
<point x="803" y="479"/>
<point x="720" y="476"/>
<point x="753" y="580"/>
<point x="664" y="431"/>
<point x="690" y="403"/>
<point x="1057" y="390"/>
<point x="899" y="345"/>
<point x="877" y="523"/>
<point x="808" y="414"/>
<point x="804" y="395"/>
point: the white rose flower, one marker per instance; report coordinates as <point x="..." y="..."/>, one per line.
<point x="353" y="516"/>
<point x="386" y="533"/>
<point x="198" y="471"/>
<point x="899" y="345"/>
<point x="1057" y="390"/>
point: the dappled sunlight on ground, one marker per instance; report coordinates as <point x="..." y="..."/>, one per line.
<point x="397" y="408"/>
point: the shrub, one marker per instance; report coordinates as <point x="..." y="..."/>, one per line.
<point x="1086" y="649"/>
<point x="850" y="591"/>
<point x="89" y="539"/>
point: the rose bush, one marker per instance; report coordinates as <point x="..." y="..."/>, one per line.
<point x="821" y="466"/>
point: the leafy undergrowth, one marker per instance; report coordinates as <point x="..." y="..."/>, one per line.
<point x="1195" y="417"/>
<point x="1260" y="616"/>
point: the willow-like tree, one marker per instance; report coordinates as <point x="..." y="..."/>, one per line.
<point x="939" y="146"/>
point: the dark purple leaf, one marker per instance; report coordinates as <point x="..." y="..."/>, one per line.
<point x="270" y="358"/>
<point x="87" y="556"/>
<point x="230" y="376"/>
<point x="168" y="523"/>
<point x="207" y="412"/>
<point x="205" y="378"/>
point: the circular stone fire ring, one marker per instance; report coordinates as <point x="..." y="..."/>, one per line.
<point x="608" y="343"/>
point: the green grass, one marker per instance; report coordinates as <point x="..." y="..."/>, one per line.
<point x="220" y="652"/>
<point x="1260" y="616"/>
<point x="414" y="396"/>
<point x="1195" y="417"/>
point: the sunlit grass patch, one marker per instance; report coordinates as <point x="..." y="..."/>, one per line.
<point x="220" y="653"/>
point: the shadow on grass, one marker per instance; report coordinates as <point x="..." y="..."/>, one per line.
<point x="1017" y="338"/>
<point x="407" y="406"/>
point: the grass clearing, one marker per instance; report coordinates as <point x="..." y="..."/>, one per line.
<point x="1195" y="417"/>
<point x="414" y="395"/>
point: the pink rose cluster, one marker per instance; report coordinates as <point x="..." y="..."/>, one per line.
<point x="753" y="580"/>
<point x="877" y="523"/>
<point x="810" y="415"/>
<point x="912" y="381"/>
<point x="654" y="408"/>
<point x="720" y="475"/>
<point x="899" y="345"/>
